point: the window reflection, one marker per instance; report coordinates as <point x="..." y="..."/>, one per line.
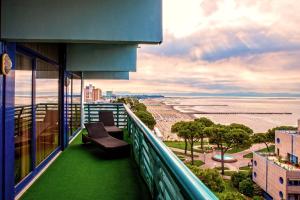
<point x="47" y="115"/>
<point x="23" y="116"/>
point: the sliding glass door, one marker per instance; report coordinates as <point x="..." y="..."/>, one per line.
<point x="47" y="115"/>
<point x="36" y="112"/>
<point x="23" y="116"/>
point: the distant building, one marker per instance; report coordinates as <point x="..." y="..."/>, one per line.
<point x="279" y="174"/>
<point x="92" y="94"/>
<point x="97" y="94"/>
<point x="109" y="94"/>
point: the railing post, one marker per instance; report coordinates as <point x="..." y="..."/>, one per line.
<point x="89" y="114"/>
<point x="118" y="113"/>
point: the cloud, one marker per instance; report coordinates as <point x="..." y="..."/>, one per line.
<point x="221" y="46"/>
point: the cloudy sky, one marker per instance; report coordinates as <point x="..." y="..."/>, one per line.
<point x="221" y="46"/>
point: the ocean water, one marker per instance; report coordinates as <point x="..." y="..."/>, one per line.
<point x="221" y="107"/>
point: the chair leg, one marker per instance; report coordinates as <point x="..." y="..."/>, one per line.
<point x="84" y="139"/>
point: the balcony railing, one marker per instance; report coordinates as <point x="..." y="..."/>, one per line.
<point x="165" y="175"/>
<point x="91" y="113"/>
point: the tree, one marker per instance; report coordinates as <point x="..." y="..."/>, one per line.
<point x="271" y="132"/>
<point x="210" y="177"/>
<point x="146" y="118"/>
<point x="175" y="129"/>
<point x="228" y="138"/>
<point x="237" y="177"/>
<point x="205" y="121"/>
<point x="231" y="196"/>
<point x="241" y="126"/>
<point x="195" y="132"/>
<point x="246" y="187"/>
<point x="262" y="138"/>
<point x="191" y="132"/>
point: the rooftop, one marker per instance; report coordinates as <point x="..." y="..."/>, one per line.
<point x="279" y="162"/>
<point x="90" y="176"/>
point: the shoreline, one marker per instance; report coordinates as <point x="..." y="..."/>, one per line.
<point x="168" y="113"/>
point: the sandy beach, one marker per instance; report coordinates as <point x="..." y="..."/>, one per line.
<point x="260" y="114"/>
<point x="165" y="117"/>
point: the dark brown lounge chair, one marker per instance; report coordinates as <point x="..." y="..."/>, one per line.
<point x="107" y="117"/>
<point x="98" y="135"/>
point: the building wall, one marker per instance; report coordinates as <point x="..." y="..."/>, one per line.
<point x="294" y="175"/>
<point x="276" y="172"/>
<point x="268" y="176"/>
<point x="260" y="169"/>
<point x="283" y="142"/>
<point x="296" y="146"/>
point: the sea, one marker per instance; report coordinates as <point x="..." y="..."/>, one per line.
<point x="259" y="113"/>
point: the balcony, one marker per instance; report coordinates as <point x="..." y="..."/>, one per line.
<point x="152" y="171"/>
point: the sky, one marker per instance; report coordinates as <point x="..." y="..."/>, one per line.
<point x="220" y="46"/>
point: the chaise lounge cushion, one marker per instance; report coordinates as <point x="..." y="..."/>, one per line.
<point x="97" y="134"/>
<point x="110" y="142"/>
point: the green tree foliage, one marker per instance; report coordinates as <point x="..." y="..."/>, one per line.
<point x="262" y="138"/>
<point x="241" y="126"/>
<point x="140" y="110"/>
<point x="146" y="118"/>
<point x="139" y="107"/>
<point x="231" y="196"/>
<point x="257" y="191"/>
<point x="175" y="129"/>
<point x="246" y="187"/>
<point x="271" y="132"/>
<point x="227" y="137"/>
<point x="210" y="177"/>
<point x="205" y="121"/>
<point x="238" y="177"/>
<point x="258" y="198"/>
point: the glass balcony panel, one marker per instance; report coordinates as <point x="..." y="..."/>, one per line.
<point x="23" y="116"/>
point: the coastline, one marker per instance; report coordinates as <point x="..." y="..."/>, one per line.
<point x="166" y="116"/>
<point x="260" y="115"/>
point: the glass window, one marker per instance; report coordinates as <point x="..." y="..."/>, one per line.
<point x="278" y="140"/>
<point x="280" y="194"/>
<point x="281" y="180"/>
<point x="23" y="116"/>
<point x="47" y="115"/>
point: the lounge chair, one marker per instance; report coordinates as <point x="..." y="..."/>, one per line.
<point x="99" y="136"/>
<point x="107" y="118"/>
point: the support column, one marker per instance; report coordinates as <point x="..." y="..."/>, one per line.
<point x="82" y="101"/>
<point x="8" y="126"/>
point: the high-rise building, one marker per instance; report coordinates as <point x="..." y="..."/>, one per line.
<point x="96" y="94"/>
<point x="92" y="94"/>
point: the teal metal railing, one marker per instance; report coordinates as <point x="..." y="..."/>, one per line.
<point x="166" y="176"/>
<point x="91" y="113"/>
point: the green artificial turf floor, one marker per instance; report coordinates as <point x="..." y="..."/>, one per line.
<point x="81" y="172"/>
